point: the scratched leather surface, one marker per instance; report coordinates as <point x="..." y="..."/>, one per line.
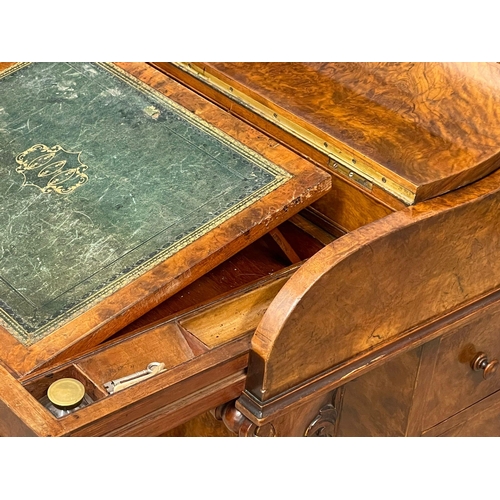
<point x="100" y="180"/>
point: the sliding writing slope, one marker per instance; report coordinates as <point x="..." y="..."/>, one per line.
<point x="119" y="187"/>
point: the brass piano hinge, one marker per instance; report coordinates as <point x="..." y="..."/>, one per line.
<point x="350" y="174"/>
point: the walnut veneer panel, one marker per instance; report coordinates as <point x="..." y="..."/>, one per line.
<point x="379" y="403"/>
<point x="486" y="424"/>
<point x="428" y="127"/>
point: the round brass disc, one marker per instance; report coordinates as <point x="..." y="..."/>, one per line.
<point x="66" y="392"/>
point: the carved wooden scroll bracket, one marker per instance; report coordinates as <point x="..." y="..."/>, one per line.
<point x="237" y="423"/>
<point x="316" y="418"/>
<point x="325" y="422"/>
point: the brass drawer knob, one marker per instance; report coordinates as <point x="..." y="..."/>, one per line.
<point x="480" y="362"/>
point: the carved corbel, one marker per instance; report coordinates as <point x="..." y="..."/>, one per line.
<point x="237" y="423"/>
<point x="325" y="422"/>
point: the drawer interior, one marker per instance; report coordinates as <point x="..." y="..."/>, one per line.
<point x="211" y="313"/>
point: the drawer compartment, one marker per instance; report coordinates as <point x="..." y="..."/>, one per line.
<point x="479" y="420"/>
<point x="455" y="384"/>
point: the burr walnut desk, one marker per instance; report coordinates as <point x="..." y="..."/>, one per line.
<point x="250" y="249"/>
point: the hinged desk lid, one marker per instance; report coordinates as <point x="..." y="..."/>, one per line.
<point x="415" y="129"/>
<point x="113" y="197"/>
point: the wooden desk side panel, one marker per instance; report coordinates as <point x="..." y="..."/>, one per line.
<point x="371" y="286"/>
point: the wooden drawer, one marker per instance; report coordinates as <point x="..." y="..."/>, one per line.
<point x="479" y="420"/>
<point x="455" y="385"/>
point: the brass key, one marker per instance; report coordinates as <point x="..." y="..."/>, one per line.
<point x="122" y="383"/>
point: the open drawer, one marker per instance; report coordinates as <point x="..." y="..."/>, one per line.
<point x="204" y="355"/>
<point x="201" y="336"/>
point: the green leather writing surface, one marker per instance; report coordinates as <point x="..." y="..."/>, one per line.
<point x="102" y="178"/>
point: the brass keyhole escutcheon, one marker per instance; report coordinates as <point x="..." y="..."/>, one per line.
<point x="480" y="362"/>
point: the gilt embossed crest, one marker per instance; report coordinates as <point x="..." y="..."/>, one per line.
<point x="52" y="169"/>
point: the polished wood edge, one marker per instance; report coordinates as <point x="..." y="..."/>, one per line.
<point x="261" y="412"/>
<point x="176" y="412"/>
<point x="457" y="181"/>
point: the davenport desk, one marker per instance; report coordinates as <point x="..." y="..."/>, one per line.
<point x="250" y="249"/>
